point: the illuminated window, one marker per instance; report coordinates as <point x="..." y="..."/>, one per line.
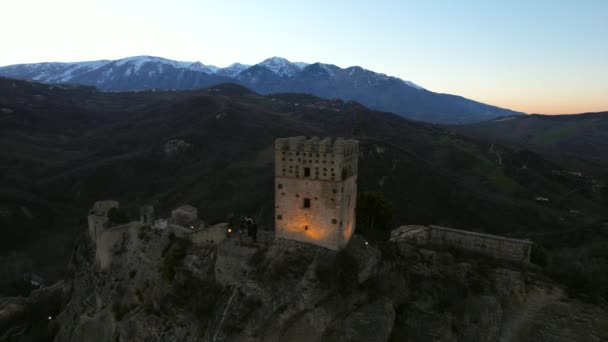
<point x="306" y="203"/>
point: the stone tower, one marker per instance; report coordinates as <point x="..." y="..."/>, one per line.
<point x="316" y="190"/>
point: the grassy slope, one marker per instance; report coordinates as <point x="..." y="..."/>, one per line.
<point x="580" y="136"/>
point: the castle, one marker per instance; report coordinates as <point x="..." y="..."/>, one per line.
<point x="316" y="190"/>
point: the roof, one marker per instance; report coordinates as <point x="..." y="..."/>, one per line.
<point x="187" y="207"/>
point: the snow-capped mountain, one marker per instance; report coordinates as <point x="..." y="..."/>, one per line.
<point x="280" y="66"/>
<point x="232" y="70"/>
<point x="275" y="74"/>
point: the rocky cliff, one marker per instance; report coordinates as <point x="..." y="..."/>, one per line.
<point x="158" y="287"/>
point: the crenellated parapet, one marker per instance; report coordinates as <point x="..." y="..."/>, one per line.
<point x="315" y="158"/>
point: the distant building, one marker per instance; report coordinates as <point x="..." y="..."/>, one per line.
<point x="499" y="247"/>
<point x="316" y="190"/>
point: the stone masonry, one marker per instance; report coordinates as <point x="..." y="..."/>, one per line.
<point x="499" y="247"/>
<point x="316" y="190"/>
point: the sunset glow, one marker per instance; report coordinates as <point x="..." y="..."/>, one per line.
<point x="531" y="56"/>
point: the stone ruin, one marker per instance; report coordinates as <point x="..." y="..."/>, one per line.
<point x="495" y="246"/>
<point x="184" y="222"/>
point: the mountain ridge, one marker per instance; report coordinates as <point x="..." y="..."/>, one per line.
<point x="577" y="135"/>
<point x="273" y="75"/>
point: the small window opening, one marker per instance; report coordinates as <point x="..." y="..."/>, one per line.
<point x="306" y="203"/>
<point x="279" y="217"/>
<point x="306" y="172"/>
<point x="334" y="221"/>
<point x="280" y="186"/>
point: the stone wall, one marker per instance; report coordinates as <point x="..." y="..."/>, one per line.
<point x="109" y="242"/>
<point x="98" y="216"/>
<point x="492" y="245"/>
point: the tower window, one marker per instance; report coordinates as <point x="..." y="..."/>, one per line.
<point x="306" y="203"/>
<point x="280" y="186"/>
<point x="279" y="217"/>
<point x="334" y="221"/>
<point x="306" y="172"/>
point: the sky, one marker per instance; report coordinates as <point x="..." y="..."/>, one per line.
<point x="535" y="56"/>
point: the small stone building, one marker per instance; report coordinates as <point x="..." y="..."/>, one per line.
<point x="499" y="247"/>
<point x="185" y="216"/>
<point x="316" y="190"/>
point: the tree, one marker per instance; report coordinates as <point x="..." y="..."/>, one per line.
<point x="118" y="216"/>
<point x="374" y="214"/>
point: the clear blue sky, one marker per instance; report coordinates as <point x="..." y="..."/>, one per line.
<point x="533" y="56"/>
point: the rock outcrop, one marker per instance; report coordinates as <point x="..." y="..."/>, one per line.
<point x="159" y="287"/>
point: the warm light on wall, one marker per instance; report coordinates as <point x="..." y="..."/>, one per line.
<point x="348" y="231"/>
<point x="298" y="225"/>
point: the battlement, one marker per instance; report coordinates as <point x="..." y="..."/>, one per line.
<point x="316" y="158"/>
<point x="315" y="144"/>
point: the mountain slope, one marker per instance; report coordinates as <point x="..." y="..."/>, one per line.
<point x="273" y="75"/>
<point x="580" y="135"/>
<point x="67" y="146"/>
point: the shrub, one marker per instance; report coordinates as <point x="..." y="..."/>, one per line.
<point x="118" y="216"/>
<point x="374" y="215"/>
<point x="539" y="255"/>
<point x="120" y="310"/>
<point x="173" y="257"/>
